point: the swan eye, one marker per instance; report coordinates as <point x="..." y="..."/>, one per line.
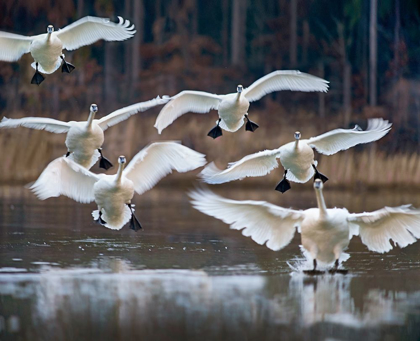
<point x="239" y="88"/>
<point x="318" y="184"/>
<point x="297" y="135"/>
<point x="94" y="108"/>
<point x="121" y="159"/>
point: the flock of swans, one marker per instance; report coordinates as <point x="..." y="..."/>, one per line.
<point x="325" y="233"/>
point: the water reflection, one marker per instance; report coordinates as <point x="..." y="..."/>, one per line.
<point x="187" y="304"/>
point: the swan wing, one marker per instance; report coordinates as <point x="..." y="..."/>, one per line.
<point x="258" y="164"/>
<point x="284" y="80"/>
<point x="195" y="101"/>
<point x="65" y="177"/>
<point x="158" y="160"/>
<point x="39" y="123"/>
<point x="88" y="30"/>
<point x="13" y="46"/>
<point x="124" y="113"/>
<point x="261" y="221"/>
<point x="400" y="224"/>
<point x="342" y="139"/>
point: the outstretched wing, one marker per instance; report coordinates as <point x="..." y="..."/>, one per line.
<point x="158" y="160"/>
<point x="124" y="113"/>
<point x="13" y="46"/>
<point x="261" y="221"/>
<point x="258" y="164"/>
<point x="195" y="101"/>
<point x="284" y="80"/>
<point x="88" y="30"/>
<point x="399" y="224"/>
<point x="65" y="177"/>
<point x="342" y="139"/>
<point x="39" y="123"/>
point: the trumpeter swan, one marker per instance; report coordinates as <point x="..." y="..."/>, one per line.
<point x="47" y="49"/>
<point x="297" y="157"/>
<point x="84" y="139"/>
<point x="113" y="193"/>
<point x="325" y="232"/>
<point x="233" y="108"/>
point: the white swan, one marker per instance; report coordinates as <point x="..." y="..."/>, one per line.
<point x="113" y="193"/>
<point x="233" y="108"/>
<point x="84" y="139"/>
<point x="46" y="49"/>
<point x="325" y="233"/>
<point x="297" y="157"/>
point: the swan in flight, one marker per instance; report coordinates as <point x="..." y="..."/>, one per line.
<point x="325" y="232"/>
<point x="297" y="157"/>
<point x="233" y="108"/>
<point x="113" y="193"/>
<point x="84" y="139"/>
<point x="47" y="49"/>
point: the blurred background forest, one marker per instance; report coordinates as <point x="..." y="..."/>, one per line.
<point x="367" y="49"/>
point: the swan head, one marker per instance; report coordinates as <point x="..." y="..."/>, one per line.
<point x="93" y="108"/>
<point x="122" y="160"/>
<point x="318" y="184"/>
<point x="297" y="135"/>
<point x="50" y="29"/>
<point x="239" y="88"/>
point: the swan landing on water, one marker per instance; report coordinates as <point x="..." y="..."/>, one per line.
<point x="297" y="157"/>
<point x="47" y="49"/>
<point x="325" y="232"/>
<point x="84" y="139"/>
<point x="233" y="108"/>
<point x="113" y="193"/>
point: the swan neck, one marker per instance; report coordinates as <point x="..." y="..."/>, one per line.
<point x="321" y="204"/>
<point x="296" y="144"/>
<point x="238" y="97"/>
<point x="119" y="173"/>
<point x="49" y="36"/>
<point x="90" y="120"/>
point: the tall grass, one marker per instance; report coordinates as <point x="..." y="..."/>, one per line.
<point x="25" y="152"/>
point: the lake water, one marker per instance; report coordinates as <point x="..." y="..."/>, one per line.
<point x="186" y="276"/>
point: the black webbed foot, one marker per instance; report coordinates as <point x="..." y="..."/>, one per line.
<point x="337" y="270"/>
<point x="134" y="222"/>
<point x="216" y="131"/>
<point x="68" y="154"/>
<point x="314" y="271"/>
<point x="319" y="175"/>
<point x="250" y="126"/>
<point x="37" y="78"/>
<point x="104" y="162"/>
<point x="284" y="184"/>
<point x="100" y="221"/>
<point x="66" y="67"/>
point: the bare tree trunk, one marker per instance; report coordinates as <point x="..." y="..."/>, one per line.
<point x="321" y="95"/>
<point x="347" y="93"/>
<point x="109" y="84"/>
<point x="225" y="32"/>
<point x="306" y="32"/>
<point x="373" y="47"/>
<point x="293" y="33"/>
<point x="127" y="47"/>
<point x="397" y="39"/>
<point x="239" y="32"/>
<point x="80" y="11"/>
<point x="138" y="16"/>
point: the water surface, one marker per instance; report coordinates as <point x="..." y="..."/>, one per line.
<point x="187" y="276"/>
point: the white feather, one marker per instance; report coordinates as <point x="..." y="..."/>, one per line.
<point x="262" y="221"/>
<point x="124" y="113"/>
<point x="40" y="123"/>
<point x="158" y="160"/>
<point x="88" y="30"/>
<point x="258" y="164"/>
<point x="342" y="139"/>
<point x="13" y="46"/>
<point x="65" y="177"/>
<point x="195" y="101"/>
<point x="284" y="80"/>
<point x="399" y="224"/>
